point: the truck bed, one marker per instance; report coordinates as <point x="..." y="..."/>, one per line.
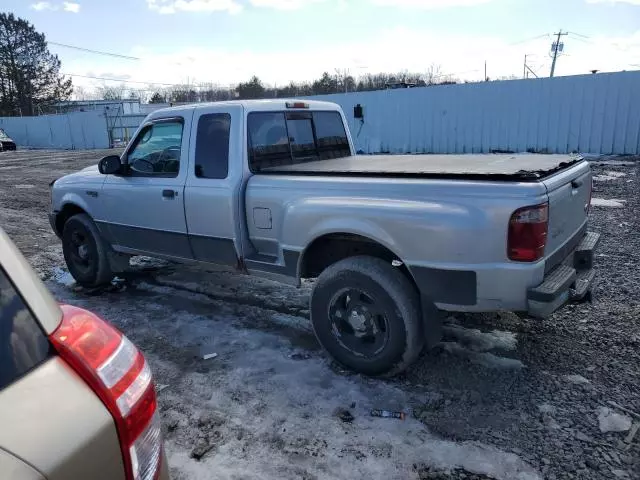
<point x="513" y="167"/>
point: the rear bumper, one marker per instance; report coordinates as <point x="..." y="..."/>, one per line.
<point x="568" y="282"/>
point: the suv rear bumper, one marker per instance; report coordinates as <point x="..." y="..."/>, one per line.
<point x="568" y="282"/>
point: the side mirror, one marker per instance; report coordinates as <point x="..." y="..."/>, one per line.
<point x="109" y="165"/>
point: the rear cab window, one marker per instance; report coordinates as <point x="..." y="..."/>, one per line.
<point x="294" y="137"/>
<point x="23" y="344"/>
<point x="212" y="146"/>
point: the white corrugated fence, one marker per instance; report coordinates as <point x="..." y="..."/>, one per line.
<point x="70" y="131"/>
<point x="586" y="113"/>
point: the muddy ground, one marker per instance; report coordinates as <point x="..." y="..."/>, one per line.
<point x="499" y="398"/>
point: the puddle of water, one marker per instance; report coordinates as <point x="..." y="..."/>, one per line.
<point x="607" y="202"/>
<point x="63" y="277"/>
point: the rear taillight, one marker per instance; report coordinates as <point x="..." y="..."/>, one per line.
<point x="528" y="233"/>
<point x="120" y="376"/>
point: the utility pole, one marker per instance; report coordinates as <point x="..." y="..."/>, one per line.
<point x="527" y="69"/>
<point x="485" y="70"/>
<point x="556" y="47"/>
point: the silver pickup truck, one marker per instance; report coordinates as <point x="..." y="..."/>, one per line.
<point x="274" y="188"/>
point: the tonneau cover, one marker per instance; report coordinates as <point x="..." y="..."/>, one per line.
<point x="521" y="166"/>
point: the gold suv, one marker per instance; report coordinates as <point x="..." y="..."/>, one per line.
<point x="77" y="399"/>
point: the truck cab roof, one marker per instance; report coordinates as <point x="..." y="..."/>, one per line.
<point x="249" y="106"/>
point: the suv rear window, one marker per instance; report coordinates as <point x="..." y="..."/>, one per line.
<point x="23" y="344"/>
<point x="293" y="137"/>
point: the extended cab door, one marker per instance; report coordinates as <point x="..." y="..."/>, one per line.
<point x="144" y="206"/>
<point x="213" y="195"/>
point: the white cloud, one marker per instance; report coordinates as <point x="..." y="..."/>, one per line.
<point x="66" y="6"/>
<point x="429" y="4"/>
<point x="40" y="6"/>
<point x="388" y="50"/>
<point x="71" y="7"/>
<point x="173" y="6"/>
<point x="632" y="2"/>
<point x="283" y="4"/>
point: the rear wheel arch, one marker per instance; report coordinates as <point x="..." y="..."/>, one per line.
<point x="329" y="249"/>
<point x="325" y="250"/>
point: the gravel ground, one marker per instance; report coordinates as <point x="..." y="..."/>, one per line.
<point x="501" y="397"/>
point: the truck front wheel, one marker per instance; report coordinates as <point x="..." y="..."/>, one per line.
<point x="366" y="314"/>
<point x="85" y="252"/>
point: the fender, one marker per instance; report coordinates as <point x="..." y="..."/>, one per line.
<point x="72" y="198"/>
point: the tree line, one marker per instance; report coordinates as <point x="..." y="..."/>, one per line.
<point x="255" y="88"/>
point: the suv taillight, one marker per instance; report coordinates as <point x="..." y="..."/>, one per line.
<point x="528" y="233"/>
<point x="120" y="376"/>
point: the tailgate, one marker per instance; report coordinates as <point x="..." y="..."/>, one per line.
<point x="569" y="192"/>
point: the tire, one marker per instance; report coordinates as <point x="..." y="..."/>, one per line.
<point x="377" y="328"/>
<point x="85" y="252"/>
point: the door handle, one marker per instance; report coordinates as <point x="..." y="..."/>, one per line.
<point x="168" y="193"/>
<point x="576" y="183"/>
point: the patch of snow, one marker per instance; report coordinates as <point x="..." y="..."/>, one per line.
<point x="576" y="379"/>
<point x="275" y="413"/>
<point x="613" y="173"/>
<point x="611" y="421"/>
<point x="479" y="341"/>
<point x="547" y="408"/>
<point x="616" y="163"/>
<point x="605" y="202"/>
<point x="485" y="359"/>
<point x="63" y="277"/>
<point x="609" y="175"/>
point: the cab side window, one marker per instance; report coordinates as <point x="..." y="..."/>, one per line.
<point x="212" y="146"/>
<point x="156" y="151"/>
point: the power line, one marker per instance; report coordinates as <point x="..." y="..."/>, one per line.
<point x="529" y="39"/>
<point x="580" y="39"/>
<point x="96" y="52"/>
<point x="579" y="34"/>
<point x="124" y="81"/>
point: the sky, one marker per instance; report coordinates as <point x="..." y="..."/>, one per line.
<point x="227" y="41"/>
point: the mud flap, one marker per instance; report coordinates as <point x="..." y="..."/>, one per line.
<point x="432" y="319"/>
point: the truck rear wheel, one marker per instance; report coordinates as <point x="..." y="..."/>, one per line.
<point x="85" y="252"/>
<point x="366" y="314"/>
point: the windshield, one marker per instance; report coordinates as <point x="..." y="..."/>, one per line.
<point x="3" y="135"/>
<point x="290" y="138"/>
